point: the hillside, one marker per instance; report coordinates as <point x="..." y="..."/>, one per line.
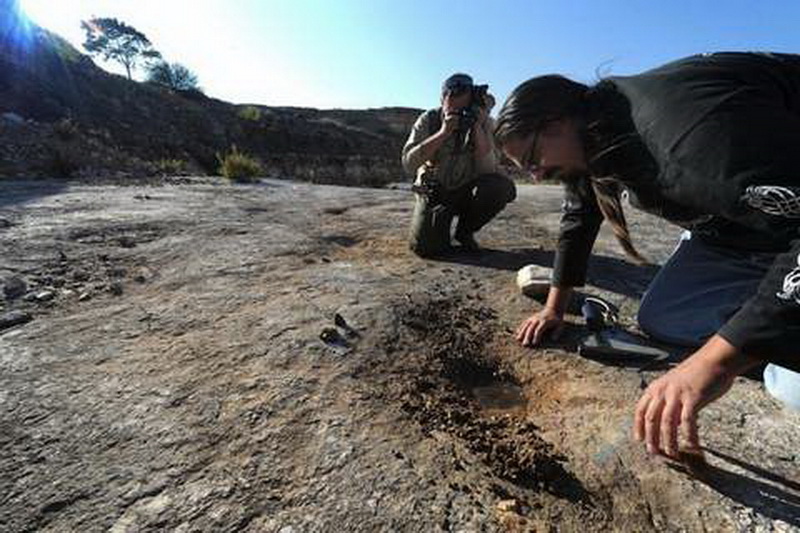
<point x="62" y="116"/>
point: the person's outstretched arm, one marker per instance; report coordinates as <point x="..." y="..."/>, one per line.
<point x="580" y="222"/>
<point x="765" y="329"/>
<point x="670" y="404"/>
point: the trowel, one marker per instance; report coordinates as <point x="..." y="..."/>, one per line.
<point x="610" y="343"/>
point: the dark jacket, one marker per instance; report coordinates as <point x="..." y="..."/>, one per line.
<point x="712" y="143"/>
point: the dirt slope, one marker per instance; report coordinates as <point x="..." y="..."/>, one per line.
<point x="63" y="116"/>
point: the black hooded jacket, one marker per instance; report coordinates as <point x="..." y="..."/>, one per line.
<point x="712" y="143"/>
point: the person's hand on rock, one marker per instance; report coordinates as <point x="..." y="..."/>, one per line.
<point x="532" y="331"/>
<point x="670" y="404"/>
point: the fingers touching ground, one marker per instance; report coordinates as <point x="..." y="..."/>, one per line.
<point x="670" y="419"/>
<point x="652" y="425"/>
<point x="688" y="422"/>
<point x="533" y="330"/>
<point x="661" y="415"/>
<point x="525" y="333"/>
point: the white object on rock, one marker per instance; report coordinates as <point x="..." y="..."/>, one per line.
<point x="508" y="506"/>
<point x="45" y="296"/>
<point x="783" y="384"/>
<point x="533" y="280"/>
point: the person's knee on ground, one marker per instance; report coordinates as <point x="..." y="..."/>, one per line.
<point x="668" y="327"/>
<point x="425" y="249"/>
<point x="429" y="234"/>
<point x="652" y="321"/>
<point x="696" y="291"/>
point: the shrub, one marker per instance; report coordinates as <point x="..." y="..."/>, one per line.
<point x="171" y="167"/>
<point x="172" y="76"/>
<point x="238" y="166"/>
<point x="250" y="112"/>
<point x="63" y="162"/>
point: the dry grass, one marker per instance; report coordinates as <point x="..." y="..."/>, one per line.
<point x="238" y="166"/>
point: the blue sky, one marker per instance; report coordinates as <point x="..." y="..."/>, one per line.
<point x="375" y="53"/>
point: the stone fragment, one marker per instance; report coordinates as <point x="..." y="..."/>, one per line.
<point x="44" y="296"/>
<point x="508" y="506"/>
<point x="13" y="287"/>
<point x="142" y="275"/>
<point x="14" y="318"/>
<point x="333" y="337"/>
<point x="81" y="275"/>
<point x="115" y="288"/>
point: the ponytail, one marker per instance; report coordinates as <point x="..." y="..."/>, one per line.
<point x="607" y="191"/>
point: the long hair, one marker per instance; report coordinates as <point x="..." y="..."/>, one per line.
<point x="607" y="134"/>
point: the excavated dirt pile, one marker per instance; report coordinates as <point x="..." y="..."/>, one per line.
<point x="458" y="387"/>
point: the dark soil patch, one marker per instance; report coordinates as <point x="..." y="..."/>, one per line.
<point x="453" y="384"/>
<point x="335" y="210"/>
<point x="345" y="241"/>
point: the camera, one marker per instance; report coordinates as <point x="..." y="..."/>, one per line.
<point x="468" y="114"/>
<point x="429" y="187"/>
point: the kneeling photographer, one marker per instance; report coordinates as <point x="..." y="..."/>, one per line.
<point x="451" y="152"/>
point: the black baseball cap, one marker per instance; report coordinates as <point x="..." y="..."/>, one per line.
<point x="457" y="83"/>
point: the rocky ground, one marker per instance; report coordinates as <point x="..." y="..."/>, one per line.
<point x="269" y="357"/>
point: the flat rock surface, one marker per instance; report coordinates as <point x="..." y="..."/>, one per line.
<point x="270" y="357"/>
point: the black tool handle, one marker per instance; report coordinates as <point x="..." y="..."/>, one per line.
<point x="593" y="315"/>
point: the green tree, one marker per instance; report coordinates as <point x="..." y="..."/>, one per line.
<point x="115" y="40"/>
<point x="172" y="75"/>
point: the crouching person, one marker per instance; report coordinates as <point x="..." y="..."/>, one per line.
<point x="451" y="152"/>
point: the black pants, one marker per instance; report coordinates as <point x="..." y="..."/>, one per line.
<point x="475" y="204"/>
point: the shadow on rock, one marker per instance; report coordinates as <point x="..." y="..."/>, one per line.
<point x="772" y="495"/>
<point x="607" y="273"/>
<point x="21" y="192"/>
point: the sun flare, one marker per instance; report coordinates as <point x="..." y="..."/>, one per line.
<point x="46" y="12"/>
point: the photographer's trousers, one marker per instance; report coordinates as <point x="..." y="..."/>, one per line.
<point x="475" y="204"/>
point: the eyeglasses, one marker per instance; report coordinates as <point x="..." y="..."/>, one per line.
<point x="530" y="161"/>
